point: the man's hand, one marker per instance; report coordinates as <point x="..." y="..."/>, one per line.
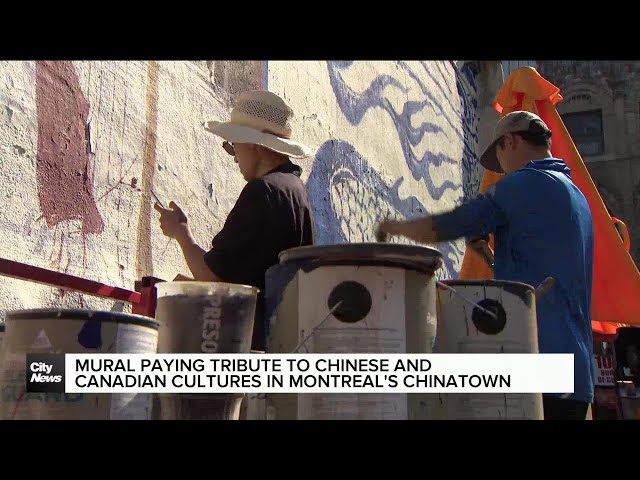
<point x="173" y="222"/>
<point x="482" y="248"/>
<point x="420" y="231"/>
<point x="385" y="229"/>
<point x="174" y="225"/>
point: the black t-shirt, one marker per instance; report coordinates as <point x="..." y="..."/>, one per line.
<point x="271" y="214"/>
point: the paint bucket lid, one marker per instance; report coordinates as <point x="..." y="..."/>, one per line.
<point x="81" y="314"/>
<point x="409" y="257"/>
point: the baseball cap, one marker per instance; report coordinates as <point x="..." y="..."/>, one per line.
<point x="519" y="121"/>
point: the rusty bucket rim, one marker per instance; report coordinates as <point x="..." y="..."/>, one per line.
<point x="487" y="283"/>
<point x="239" y="286"/>
<point x="413" y="257"/>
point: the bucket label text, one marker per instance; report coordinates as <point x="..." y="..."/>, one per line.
<point x="211" y="320"/>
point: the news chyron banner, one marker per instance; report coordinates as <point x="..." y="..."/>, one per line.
<point x="300" y="373"/>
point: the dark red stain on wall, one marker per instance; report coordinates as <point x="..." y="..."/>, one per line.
<point x="63" y="172"/>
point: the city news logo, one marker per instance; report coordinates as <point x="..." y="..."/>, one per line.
<point x="45" y="372"/>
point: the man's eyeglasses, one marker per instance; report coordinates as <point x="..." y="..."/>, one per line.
<point x="229" y="148"/>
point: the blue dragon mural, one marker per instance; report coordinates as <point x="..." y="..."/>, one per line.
<point x="349" y="196"/>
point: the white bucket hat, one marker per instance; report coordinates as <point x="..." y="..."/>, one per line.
<point x="261" y="118"/>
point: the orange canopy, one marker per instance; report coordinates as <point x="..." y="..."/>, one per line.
<point x="616" y="280"/>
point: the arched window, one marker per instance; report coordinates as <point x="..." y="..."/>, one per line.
<point x="586" y="131"/>
<point x="587" y="112"/>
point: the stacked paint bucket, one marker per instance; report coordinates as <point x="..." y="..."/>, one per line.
<point x="487" y="316"/>
<point x="203" y="317"/>
<point x="71" y="331"/>
<point x="384" y="298"/>
<point x="191" y="317"/>
<point x="627" y="372"/>
<point x="346" y="298"/>
<point x="352" y="298"/>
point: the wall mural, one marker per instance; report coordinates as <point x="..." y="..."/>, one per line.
<point x="349" y="196"/>
<point x="96" y="138"/>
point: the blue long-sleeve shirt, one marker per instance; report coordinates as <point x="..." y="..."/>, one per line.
<point x="543" y="228"/>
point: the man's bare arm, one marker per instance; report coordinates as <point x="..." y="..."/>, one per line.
<point x="174" y="224"/>
<point x="420" y="231"/>
<point x="194" y="256"/>
<point x="424" y="231"/>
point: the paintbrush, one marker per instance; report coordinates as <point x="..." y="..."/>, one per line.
<point x="158" y="200"/>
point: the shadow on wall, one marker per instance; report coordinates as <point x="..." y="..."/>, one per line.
<point x="349" y="196"/>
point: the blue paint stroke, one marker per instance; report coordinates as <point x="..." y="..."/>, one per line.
<point x="436" y="106"/>
<point x="471" y="174"/>
<point x="355" y="105"/>
<point x="90" y="335"/>
<point x="338" y="163"/>
<point x="362" y="198"/>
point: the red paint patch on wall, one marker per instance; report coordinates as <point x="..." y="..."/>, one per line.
<point x="65" y="186"/>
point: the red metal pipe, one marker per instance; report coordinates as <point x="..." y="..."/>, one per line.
<point x="21" y="271"/>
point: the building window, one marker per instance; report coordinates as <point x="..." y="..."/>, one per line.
<point x="586" y="131"/>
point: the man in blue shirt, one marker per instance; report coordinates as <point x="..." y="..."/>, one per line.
<point x="543" y="228"/>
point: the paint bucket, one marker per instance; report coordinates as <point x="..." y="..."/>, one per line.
<point x="465" y="328"/>
<point x="605" y="399"/>
<point x="253" y="405"/>
<point x="203" y="317"/>
<point x="627" y="358"/>
<point x="629" y="400"/>
<point x="71" y="331"/>
<point x="351" y="298"/>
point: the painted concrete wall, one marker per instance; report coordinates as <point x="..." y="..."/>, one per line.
<point x="83" y="144"/>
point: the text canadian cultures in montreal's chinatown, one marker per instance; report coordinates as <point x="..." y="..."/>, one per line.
<point x="296" y="373"/>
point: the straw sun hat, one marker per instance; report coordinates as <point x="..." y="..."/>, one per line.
<point x="262" y="118"/>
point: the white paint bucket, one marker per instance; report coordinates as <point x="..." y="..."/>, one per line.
<point x="465" y="328"/>
<point x="71" y="331"/>
<point x="388" y="306"/>
<point x="203" y="317"/>
<point x="629" y="400"/>
<point x="627" y="358"/>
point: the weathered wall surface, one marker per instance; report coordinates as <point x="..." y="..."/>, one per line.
<point x="83" y="144"/>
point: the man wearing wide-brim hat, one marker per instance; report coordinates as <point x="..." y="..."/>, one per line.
<point x="271" y="214"/>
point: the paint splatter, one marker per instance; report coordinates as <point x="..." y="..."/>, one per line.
<point x="90" y="336"/>
<point x="65" y="184"/>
